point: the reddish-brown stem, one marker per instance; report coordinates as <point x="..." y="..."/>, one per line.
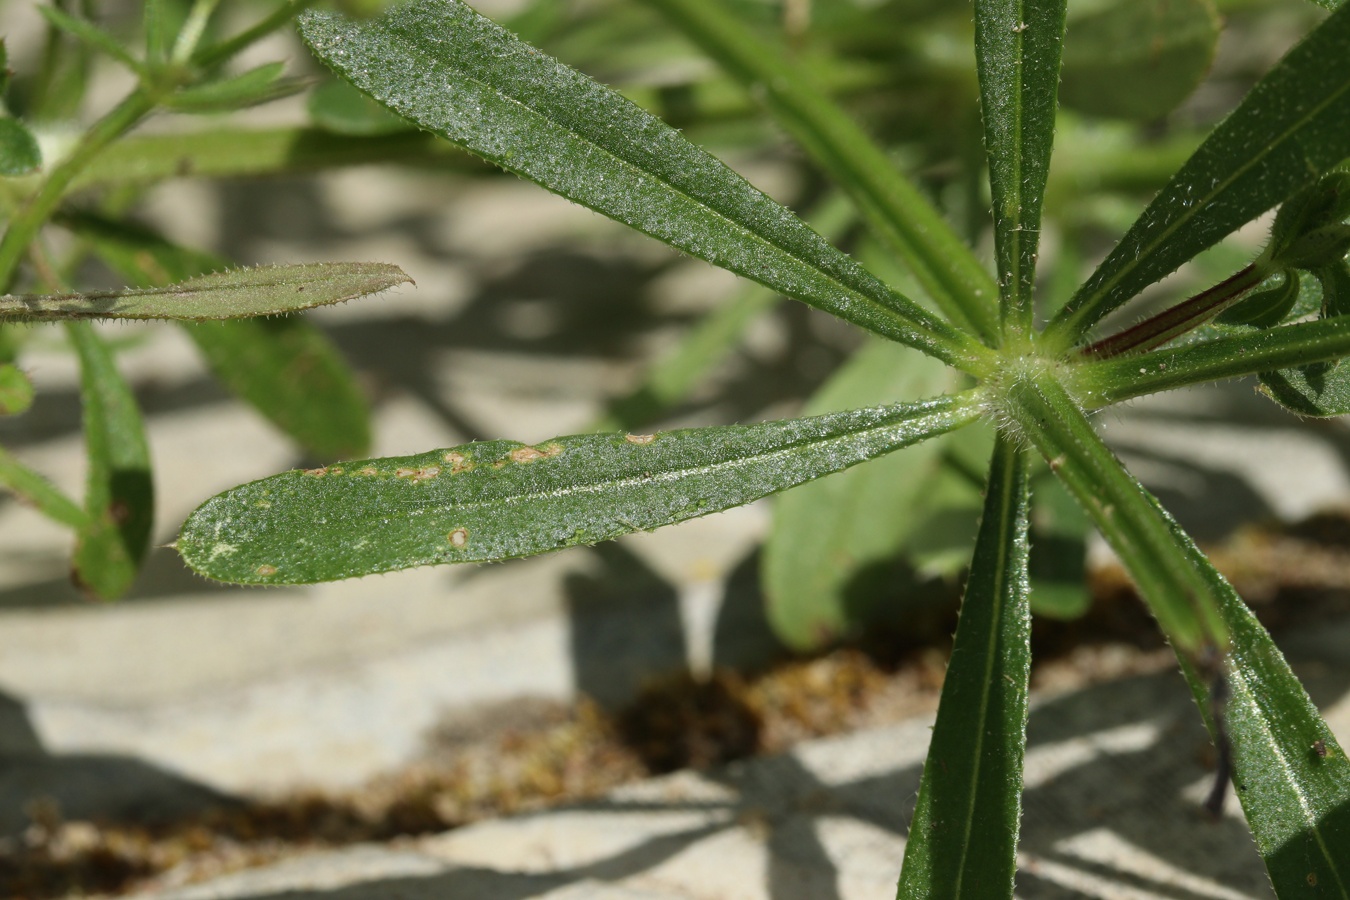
<point x="1158" y="329"/>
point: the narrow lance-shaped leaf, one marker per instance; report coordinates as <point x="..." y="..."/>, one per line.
<point x="1018" y="45"/>
<point x="1292" y="778"/>
<point x="1128" y="517"/>
<point x="119" y="498"/>
<point x="252" y="88"/>
<point x="261" y="291"/>
<point x="900" y="213"/>
<point x="501" y="499"/>
<point x="1110" y="381"/>
<point x="963" y="839"/>
<point x="459" y="75"/>
<point x="285" y="367"/>
<point x="1291" y="128"/>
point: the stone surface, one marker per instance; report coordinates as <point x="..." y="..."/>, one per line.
<point x="1111" y="811"/>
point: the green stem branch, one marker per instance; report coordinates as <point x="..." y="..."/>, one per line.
<point x="218" y="53"/>
<point x="39" y="208"/>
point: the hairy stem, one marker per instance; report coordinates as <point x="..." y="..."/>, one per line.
<point x="39" y="208"/>
<point x="1158" y="329"/>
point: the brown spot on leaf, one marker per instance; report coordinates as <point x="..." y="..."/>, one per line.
<point x="368" y="470"/>
<point x="417" y="476"/>
<point x="337" y="470"/>
<point x="265" y="571"/>
<point x="525" y="454"/>
<point x="458" y="462"/>
<point x="459" y="538"/>
<point x="639" y="438"/>
<point x="317" y="473"/>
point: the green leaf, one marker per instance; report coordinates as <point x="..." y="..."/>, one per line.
<point x="16" y="391"/>
<point x="39" y="493"/>
<point x="1297" y="800"/>
<point x="916" y="231"/>
<point x="1292" y="127"/>
<point x="1334" y="280"/>
<point x="285" y="368"/>
<point x="91" y="35"/>
<point x="256" y="86"/>
<point x="291" y="373"/>
<point x="1308" y="232"/>
<point x="1017" y="54"/>
<point x="1318" y="389"/>
<point x="1058" y="563"/>
<point x="1138" y="59"/>
<point x="1101" y="383"/>
<point x="500" y="499"/>
<point x="340" y="108"/>
<point x="19" y="151"/>
<point x="1136" y="527"/>
<point x="119" y="497"/>
<point x="963" y="839"/>
<point x="459" y="75"/>
<point x="1266" y="308"/>
<point x="241" y="152"/>
<point x="260" y="291"/>
<point x="1292" y="777"/>
<point x="827" y="532"/>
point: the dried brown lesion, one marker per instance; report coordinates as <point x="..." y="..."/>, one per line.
<point x="457" y="461"/>
<point x="530" y="454"/>
<point x="417" y="475"/>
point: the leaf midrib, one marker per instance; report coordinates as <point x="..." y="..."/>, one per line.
<point x="1004" y="546"/>
<point x="1311" y="820"/>
<point x="959" y="409"/>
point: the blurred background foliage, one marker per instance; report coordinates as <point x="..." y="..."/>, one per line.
<point x="1143" y="80"/>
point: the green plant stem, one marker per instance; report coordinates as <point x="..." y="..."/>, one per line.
<point x="192" y="30"/>
<point x="1160" y="557"/>
<point x="40" y="493"/>
<point x="1111" y="381"/>
<point x="217" y="53"/>
<point x="1158" y="329"/>
<point x="39" y="208"/>
<point x="941" y="262"/>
